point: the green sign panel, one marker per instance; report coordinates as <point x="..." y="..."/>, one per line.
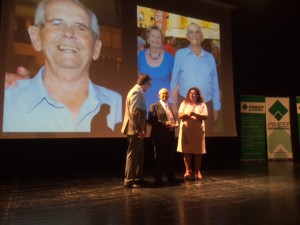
<point x="253" y="128"/>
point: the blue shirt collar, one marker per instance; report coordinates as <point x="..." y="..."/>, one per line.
<point x="37" y="93"/>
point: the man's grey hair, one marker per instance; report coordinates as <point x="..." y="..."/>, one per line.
<point x="199" y="28"/>
<point x="40" y="15"/>
<point x="161" y="91"/>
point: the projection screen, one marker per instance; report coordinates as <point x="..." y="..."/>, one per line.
<point x="115" y="71"/>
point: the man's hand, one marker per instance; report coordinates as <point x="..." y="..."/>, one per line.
<point x="215" y="114"/>
<point x="11" y="79"/>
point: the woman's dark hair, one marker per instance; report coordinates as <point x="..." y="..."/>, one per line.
<point x="199" y="95"/>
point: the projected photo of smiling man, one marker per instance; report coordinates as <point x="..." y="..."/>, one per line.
<point x="61" y="97"/>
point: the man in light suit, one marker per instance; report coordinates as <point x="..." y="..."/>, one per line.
<point x="134" y="126"/>
<point x="162" y="120"/>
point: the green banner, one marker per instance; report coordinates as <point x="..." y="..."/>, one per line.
<point x="253" y="128"/>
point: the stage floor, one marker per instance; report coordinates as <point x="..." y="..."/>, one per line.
<point x="256" y="193"/>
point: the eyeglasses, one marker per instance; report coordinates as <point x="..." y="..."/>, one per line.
<point x="192" y="32"/>
<point x="57" y="25"/>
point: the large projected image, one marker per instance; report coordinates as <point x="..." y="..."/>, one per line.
<point x="178" y="70"/>
<point x="76" y="66"/>
<point x="72" y="56"/>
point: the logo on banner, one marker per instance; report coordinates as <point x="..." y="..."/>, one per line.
<point x="278" y="110"/>
<point x="253" y="107"/>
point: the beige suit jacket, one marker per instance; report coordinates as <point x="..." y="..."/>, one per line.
<point x="135" y="112"/>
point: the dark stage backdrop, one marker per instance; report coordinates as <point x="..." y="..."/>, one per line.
<point x="116" y="68"/>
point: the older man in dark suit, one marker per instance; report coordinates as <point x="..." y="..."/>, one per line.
<point x="134" y="126"/>
<point x="162" y="120"/>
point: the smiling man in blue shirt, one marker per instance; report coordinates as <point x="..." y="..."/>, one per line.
<point x="193" y="66"/>
<point x="61" y="97"/>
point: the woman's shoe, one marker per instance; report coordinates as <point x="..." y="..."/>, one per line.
<point x="198" y="176"/>
<point x="187" y="176"/>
